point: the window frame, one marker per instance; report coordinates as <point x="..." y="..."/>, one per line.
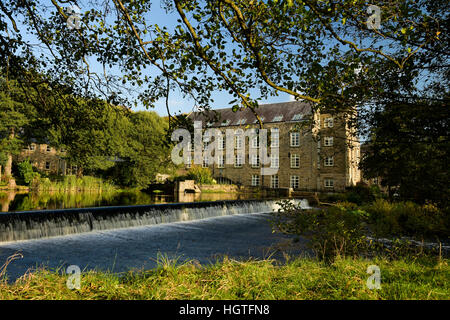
<point x="297" y="160"/>
<point x="297" y="139"/>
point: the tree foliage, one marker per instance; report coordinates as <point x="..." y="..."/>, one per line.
<point x="409" y="149"/>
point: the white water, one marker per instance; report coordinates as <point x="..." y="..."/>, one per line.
<point x="24" y="226"/>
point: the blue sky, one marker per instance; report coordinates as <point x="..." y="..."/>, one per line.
<point x="177" y="103"/>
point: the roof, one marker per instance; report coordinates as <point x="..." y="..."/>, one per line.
<point x="274" y="112"/>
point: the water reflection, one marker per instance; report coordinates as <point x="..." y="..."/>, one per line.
<point x="22" y="201"/>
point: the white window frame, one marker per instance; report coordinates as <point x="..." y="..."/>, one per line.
<point x="238" y="142"/>
<point x="328" y="183"/>
<point x="295" y="160"/>
<point x="205" y="162"/>
<point x="295" y="139"/>
<point x="328" y="123"/>
<point x="220" y="161"/>
<point x="255" y="142"/>
<point x="275" y="138"/>
<point x="328" y="141"/>
<point x="221" y="143"/>
<point x="274" y="161"/>
<point x="274" y="181"/>
<point x="255" y="161"/>
<point x="277" y="118"/>
<point x="255" y="180"/>
<point x="188" y="162"/>
<point x="329" y="162"/>
<point x="238" y="161"/>
<point x="294" y="180"/>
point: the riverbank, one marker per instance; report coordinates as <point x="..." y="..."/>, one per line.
<point x="302" y="278"/>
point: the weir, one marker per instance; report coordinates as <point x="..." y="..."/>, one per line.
<point x="26" y="225"/>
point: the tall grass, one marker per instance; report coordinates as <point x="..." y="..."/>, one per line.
<point x="74" y="183"/>
<point x="302" y="278"/>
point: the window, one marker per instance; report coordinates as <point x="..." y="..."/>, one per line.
<point x="225" y="123"/>
<point x="328" y="141"/>
<point x="32" y="147"/>
<point x="241" y="121"/>
<point x="238" y="161"/>
<point x="294" y="183"/>
<point x="205" y="163"/>
<point x="47" y="165"/>
<point x="255" y="180"/>
<point x="274" y="161"/>
<point x="255" y="142"/>
<point x="295" y="139"/>
<point x="277" y="118"/>
<point x="49" y="148"/>
<point x="329" y="183"/>
<point x="328" y="123"/>
<point x="188" y="162"/>
<point x="295" y="161"/>
<point x="255" y="160"/>
<point x="238" y="142"/>
<point x="274" y="182"/>
<point x="275" y="137"/>
<point x="297" y="117"/>
<point x="329" y="161"/>
<point x="220" y="161"/>
<point x="221" y="143"/>
<point x="256" y="120"/>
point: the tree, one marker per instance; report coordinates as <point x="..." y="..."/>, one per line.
<point x="409" y="149"/>
<point x="15" y="115"/>
<point x="144" y="151"/>
<point x="308" y="49"/>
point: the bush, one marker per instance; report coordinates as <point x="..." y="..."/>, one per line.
<point x="200" y="175"/>
<point x="338" y="231"/>
<point x="359" y="194"/>
<point x="408" y="219"/>
<point x="26" y="172"/>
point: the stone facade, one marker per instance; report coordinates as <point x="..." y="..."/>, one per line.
<point x="45" y="159"/>
<point x="316" y="151"/>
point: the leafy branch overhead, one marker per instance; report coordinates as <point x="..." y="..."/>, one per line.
<point x="325" y="52"/>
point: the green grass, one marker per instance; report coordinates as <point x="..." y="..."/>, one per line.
<point x="73" y="183"/>
<point x="301" y="278"/>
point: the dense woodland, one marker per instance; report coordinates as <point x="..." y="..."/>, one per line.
<point x="127" y="148"/>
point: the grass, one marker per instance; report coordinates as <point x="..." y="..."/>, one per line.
<point x="73" y="183"/>
<point x="300" y="278"/>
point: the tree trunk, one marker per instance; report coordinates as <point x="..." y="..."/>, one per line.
<point x="79" y="172"/>
<point x="8" y="165"/>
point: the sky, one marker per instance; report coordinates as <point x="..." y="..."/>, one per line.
<point x="177" y="103"/>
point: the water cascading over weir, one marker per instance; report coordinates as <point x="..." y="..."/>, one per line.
<point x="38" y="224"/>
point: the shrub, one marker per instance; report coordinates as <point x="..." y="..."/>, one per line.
<point x="407" y="219"/>
<point x="338" y="231"/>
<point x="200" y="175"/>
<point x="26" y="172"/>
